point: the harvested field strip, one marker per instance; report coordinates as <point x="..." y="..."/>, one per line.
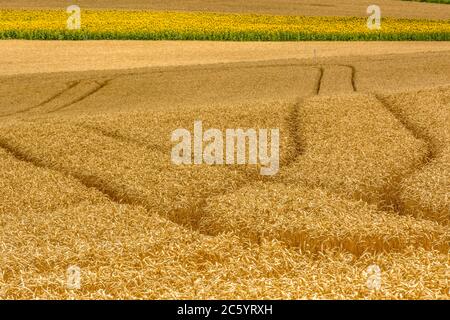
<point x="314" y="221"/>
<point x="354" y="147"/>
<point x="426" y="193"/>
<point x="144" y="25"/>
<point x="25" y="57"/>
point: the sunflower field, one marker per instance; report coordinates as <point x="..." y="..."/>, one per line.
<point x="146" y="25"/>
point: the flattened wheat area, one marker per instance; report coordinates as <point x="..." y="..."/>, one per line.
<point x="224" y="155"/>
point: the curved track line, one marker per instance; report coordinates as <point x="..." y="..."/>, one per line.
<point x="171" y="69"/>
<point x="237" y="65"/>
<point x="294" y="132"/>
<point x="410" y="128"/>
<point x="101" y="85"/>
<point x="353" y="79"/>
<point x="70" y="85"/>
<point x="91" y="181"/>
<point x="430" y="155"/>
<point x="319" y="83"/>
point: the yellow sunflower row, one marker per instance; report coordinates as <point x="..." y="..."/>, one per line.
<point x="145" y="25"/>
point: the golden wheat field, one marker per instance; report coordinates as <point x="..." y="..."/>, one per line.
<point x="93" y="205"/>
<point x="86" y="177"/>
